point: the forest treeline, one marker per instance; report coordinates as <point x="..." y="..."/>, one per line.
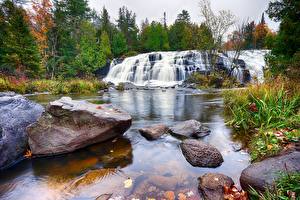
<point x="66" y="38"/>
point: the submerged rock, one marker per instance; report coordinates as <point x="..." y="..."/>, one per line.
<point x="104" y="197"/>
<point x="154" y="132"/>
<point x="68" y="125"/>
<point x="263" y="174"/>
<point x="211" y="185"/>
<point x="200" y="154"/>
<point x="16" y="113"/>
<point x="190" y="128"/>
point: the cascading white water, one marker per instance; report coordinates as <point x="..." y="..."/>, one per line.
<point x="172" y="68"/>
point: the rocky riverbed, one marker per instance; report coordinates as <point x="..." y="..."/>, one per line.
<point x="158" y="157"/>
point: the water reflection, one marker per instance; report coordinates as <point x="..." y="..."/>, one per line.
<point x="154" y="166"/>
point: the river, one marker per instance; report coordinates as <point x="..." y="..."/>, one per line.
<point x="153" y="166"/>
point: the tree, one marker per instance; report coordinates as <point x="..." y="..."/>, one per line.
<point x="165" y="21"/>
<point x="285" y="56"/>
<point x="249" y="35"/>
<point x="41" y="23"/>
<point x="127" y="25"/>
<point x="105" y="45"/>
<point x="155" y="38"/>
<point x="19" y="51"/>
<point x="180" y="33"/>
<point x="260" y="33"/>
<point x="106" y="25"/>
<point x="263" y="21"/>
<point x="237" y="43"/>
<point x="119" y="44"/>
<point x="90" y="57"/>
<point x="184" y="16"/>
<point x="201" y="37"/>
<point x="218" y="24"/>
<point x="287" y="12"/>
<point x="65" y="36"/>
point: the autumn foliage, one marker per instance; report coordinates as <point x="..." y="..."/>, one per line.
<point x="41" y="22"/>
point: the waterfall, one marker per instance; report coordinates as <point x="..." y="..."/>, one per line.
<point x="172" y="68"/>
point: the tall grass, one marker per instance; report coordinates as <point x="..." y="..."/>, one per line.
<point x="286" y="187"/>
<point x="271" y="105"/>
<point x="24" y="86"/>
<point x="269" y="112"/>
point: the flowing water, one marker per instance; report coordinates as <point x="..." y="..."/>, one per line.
<point x="153" y="166"/>
<point x="171" y="68"/>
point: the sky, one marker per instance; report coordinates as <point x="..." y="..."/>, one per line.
<point x="154" y="9"/>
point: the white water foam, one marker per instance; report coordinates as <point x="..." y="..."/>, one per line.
<point x="172" y="68"/>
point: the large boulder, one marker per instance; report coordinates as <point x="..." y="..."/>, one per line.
<point x="68" y="125"/>
<point x="211" y="185"/>
<point x="263" y="174"/>
<point x="16" y="113"/>
<point x="200" y="154"/>
<point x="154" y="132"/>
<point x="190" y="128"/>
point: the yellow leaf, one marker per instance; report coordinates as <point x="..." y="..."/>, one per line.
<point x="128" y="183"/>
<point x="270" y="147"/>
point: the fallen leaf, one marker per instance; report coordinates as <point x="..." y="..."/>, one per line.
<point x="181" y="196"/>
<point x="28" y="154"/>
<point x="269" y="147"/>
<point x="170" y="195"/>
<point x="128" y="183"/>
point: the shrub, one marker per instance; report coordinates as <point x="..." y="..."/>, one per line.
<point x="213" y="80"/>
<point x="120" y="87"/>
<point x="52" y="86"/>
<point x="3" y="85"/>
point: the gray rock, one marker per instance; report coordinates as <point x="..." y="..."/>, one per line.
<point x="68" y="125"/>
<point x="16" y="113"/>
<point x="263" y="174"/>
<point x="129" y="86"/>
<point x="236" y="147"/>
<point x="211" y="185"/>
<point x="200" y="154"/>
<point x="154" y="132"/>
<point x="190" y="128"/>
<point x="104" y="197"/>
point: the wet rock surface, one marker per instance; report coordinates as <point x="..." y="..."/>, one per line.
<point x="263" y="174"/>
<point x="200" y="154"/>
<point x="211" y="185"/>
<point x="190" y="129"/>
<point x="154" y="132"/>
<point x="68" y="125"/>
<point x="16" y="113"/>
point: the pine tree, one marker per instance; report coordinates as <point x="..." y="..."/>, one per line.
<point x="165" y="20"/>
<point x="119" y="44"/>
<point x="19" y="51"/>
<point x="184" y="16"/>
<point x="127" y="25"/>
<point x="263" y="21"/>
<point x="105" y="45"/>
<point x="90" y="56"/>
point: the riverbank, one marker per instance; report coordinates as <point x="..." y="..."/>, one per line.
<point x="76" y="86"/>
<point x="269" y="115"/>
